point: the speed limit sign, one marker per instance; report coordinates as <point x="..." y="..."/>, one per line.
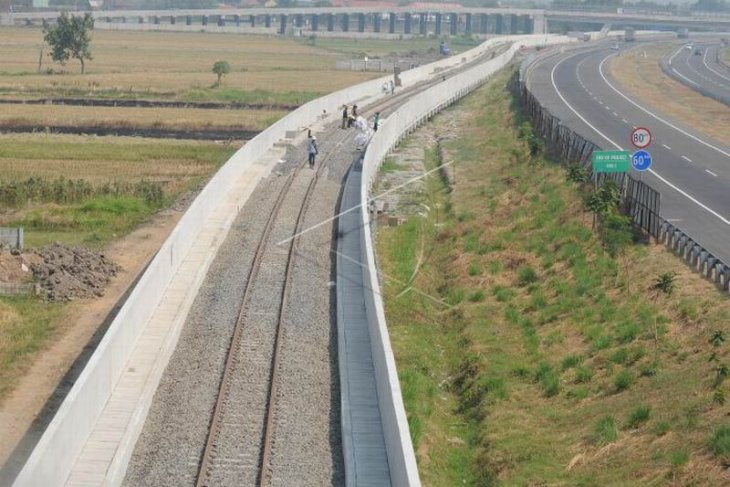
<point x="640" y="137"/>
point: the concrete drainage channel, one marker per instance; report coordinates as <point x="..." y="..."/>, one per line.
<point x="150" y="322"/>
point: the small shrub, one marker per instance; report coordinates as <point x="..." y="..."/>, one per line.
<point x="638" y="416"/>
<point x="718" y="397"/>
<point x="577" y="173"/>
<point x="583" y="374"/>
<point x="616" y="232"/>
<point x="474" y="270"/>
<point x="620" y="356"/>
<point x="601" y="341"/>
<point x="606" y="431"/>
<point x="548" y="379"/>
<point x="495" y="267"/>
<point x="648" y="370"/>
<point x="678" y="458"/>
<point x="662" y="428"/>
<point x="571" y="361"/>
<point x="503" y="294"/>
<point x="526" y="275"/>
<point x="627" y="332"/>
<point x="477" y="296"/>
<point x="720" y="441"/>
<point x="623" y="380"/>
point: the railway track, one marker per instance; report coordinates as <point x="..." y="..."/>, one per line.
<point x="239" y="443"/>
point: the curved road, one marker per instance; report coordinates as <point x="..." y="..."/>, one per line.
<point x="690" y="170"/>
<point x="698" y="67"/>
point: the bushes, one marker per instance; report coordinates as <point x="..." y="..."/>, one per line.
<point x="638" y="416"/>
<point x="623" y="380"/>
<point x="720" y="441"/>
<point x="69" y="191"/>
<point x="606" y="430"/>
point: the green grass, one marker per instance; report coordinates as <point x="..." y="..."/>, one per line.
<point x="233" y="95"/>
<point x="26" y="325"/>
<point x="563" y="334"/>
<point x="638" y="416"/>
<point x="720" y="441"/>
<point x="606" y="431"/>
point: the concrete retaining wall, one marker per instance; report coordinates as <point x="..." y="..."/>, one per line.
<point x="11" y="237"/>
<point x="401" y="457"/>
<point x="51" y="460"/>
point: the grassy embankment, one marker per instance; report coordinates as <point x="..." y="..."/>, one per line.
<point x="644" y="79"/>
<point x="551" y="361"/>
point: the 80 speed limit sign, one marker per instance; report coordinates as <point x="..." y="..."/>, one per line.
<point x="640" y="137"/>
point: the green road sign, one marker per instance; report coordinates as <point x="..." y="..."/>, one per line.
<point x="611" y="161"/>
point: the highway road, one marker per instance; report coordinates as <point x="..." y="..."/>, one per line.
<point x="690" y="170"/>
<point x="696" y="65"/>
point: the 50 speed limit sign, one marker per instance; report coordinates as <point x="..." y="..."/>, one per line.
<point x="640" y="138"/>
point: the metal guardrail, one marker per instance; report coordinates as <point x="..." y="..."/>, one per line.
<point x="639" y="200"/>
<point x="664" y="64"/>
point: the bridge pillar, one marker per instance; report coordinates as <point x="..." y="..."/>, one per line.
<point x="221" y="21"/>
<point x="345" y="23"/>
<point x="156" y="20"/>
<point x="314" y="21"/>
<point x="407" y="23"/>
<point x="360" y="22"/>
<point x="189" y="20"/>
<point x="499" y="24"/>
<point x="527" y="25"/>
<point x="376" y="22"/>
<point x="141" y="20"/>
<point x="205" y="20"/>
<point x="252" y="20"/>
<point x="423" y="24"/>
<point x="173" y="20"/>
<point x="453" y="22"/>
<point x="437" y="26"/>
<point x="467" y="24"/>
<point x="539" y="24"/>
<point x="124" y="20"/>
<point x="483" y="23"/>
<point x="513" y="24"/>
<point x="283" y="19"/>
<point x="391" y="22"/>
<point x="330" y="22"/>
<point x="298" y="20"/>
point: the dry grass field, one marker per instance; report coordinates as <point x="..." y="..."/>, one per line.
<point x="149" y="63"/>
<point x="644" y="78"/>
<point x="120" y="117"/>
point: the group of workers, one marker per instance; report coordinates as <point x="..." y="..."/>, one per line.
<point x="349" y="118"/>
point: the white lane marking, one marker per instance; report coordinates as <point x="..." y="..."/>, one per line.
<point x="684" y="77"/>
<point x="686" y="158"/>
<point x="652" y="171"/>
<point x="665" y="122"/>
<point x="673" y="220"/>
<point x="666" y="147"/>
<point x="671" y="59"/>
<point x="608" y="107"/>
<point x="624" y="120"/>
<point x="615" y="114"/>
<point x="710" y="173"/>
<point x="704" y="61"/>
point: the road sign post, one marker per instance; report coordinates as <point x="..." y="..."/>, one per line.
<point x="640" y="138"/>
<point x="611" y="161"/>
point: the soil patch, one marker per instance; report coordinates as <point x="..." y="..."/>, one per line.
<point x="67" y="273"/>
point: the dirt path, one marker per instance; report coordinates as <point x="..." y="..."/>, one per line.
<point x="39" y="393"/>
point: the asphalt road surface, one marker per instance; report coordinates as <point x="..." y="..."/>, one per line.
<point x="689" y="169"/>
<point x="697" y="65"/>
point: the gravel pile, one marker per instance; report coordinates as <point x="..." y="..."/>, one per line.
<point x="66" y="273"/>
